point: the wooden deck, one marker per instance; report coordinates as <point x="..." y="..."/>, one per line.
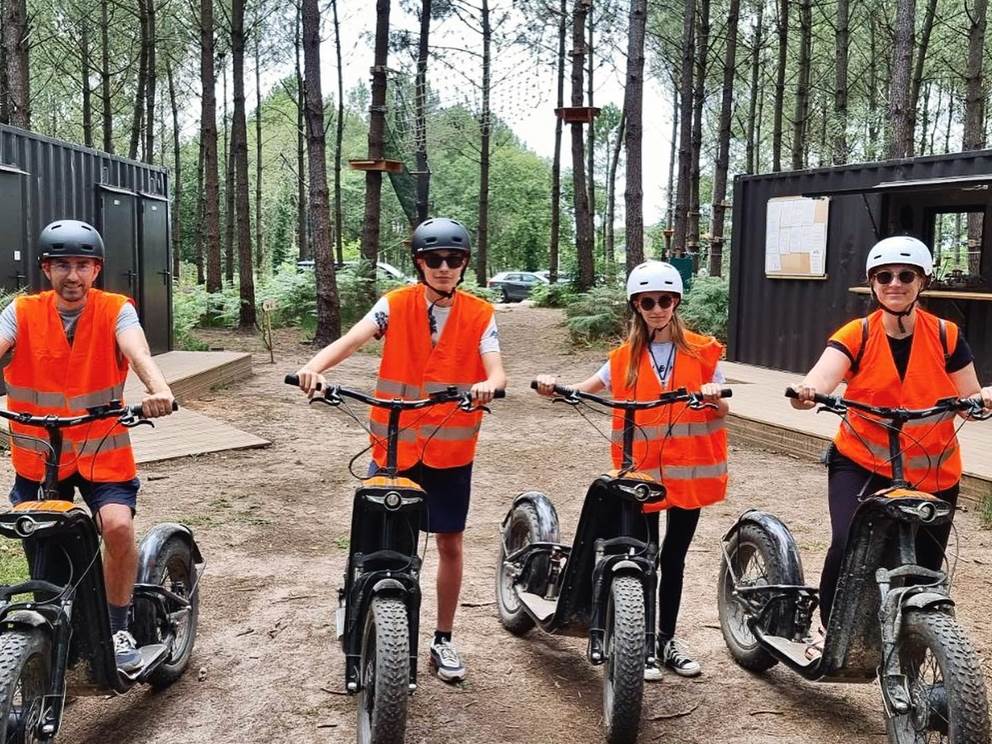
<point x="761" y="416"/>
<point x="190" y="374"/>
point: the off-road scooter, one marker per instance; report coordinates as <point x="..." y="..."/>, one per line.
<point x="602" y="586"/>
<point x="55" y="629"/>
<point x="892" y="620"/>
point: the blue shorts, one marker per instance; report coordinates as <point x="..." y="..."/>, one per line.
<point x="448" y="492"/>
<point x="94" y="494"/>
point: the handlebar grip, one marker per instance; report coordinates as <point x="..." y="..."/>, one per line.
<point x="826" y="400"/>
<point x="499" y="394"/>
<point x="294" y="380"/>
<point x="789" y="392"/>
<point x="726" y="393"/>
<point x="558" y="389"/>
<point x="136" y="409"/>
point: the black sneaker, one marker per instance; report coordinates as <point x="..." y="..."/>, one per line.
<point x="674" y="656"/>
<point x="445" y="660"/>
<point x="126" y="650"/>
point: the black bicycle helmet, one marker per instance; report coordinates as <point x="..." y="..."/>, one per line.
<point x="65" y="238"/>
<point x="440" y="233"/>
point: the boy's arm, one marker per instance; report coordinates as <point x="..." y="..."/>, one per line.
<point x="335" y="353"/>
<point x="492" y="362"/>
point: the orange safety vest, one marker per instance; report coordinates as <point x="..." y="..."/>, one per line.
<point x="47" y="376"/>
<point x="931" y="456"/>
<point x="684" y="449"/>
<point x="412" y="368"/>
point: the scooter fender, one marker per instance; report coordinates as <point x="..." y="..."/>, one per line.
<point x="924" y="600"/>
<point x="626" y="566"/>
<point x="547" y="517"/>
<point x="151" y="546"/>
<point x="24" y="618"/>
<point x="388" y="586"/>
<point x="781" y="538"/>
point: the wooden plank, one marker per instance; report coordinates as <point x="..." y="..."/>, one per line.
<point x="940" y="294"/>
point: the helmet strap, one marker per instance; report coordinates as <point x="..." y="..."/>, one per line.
<point x="898" y="315"/>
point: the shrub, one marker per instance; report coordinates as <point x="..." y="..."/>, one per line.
<point x="553" y="295"/>
<point x="597" y="315"/>
<point x="706" y="305"/>
<point x="473" y="288"/>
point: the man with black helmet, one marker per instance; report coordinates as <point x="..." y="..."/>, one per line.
<point x="435" y="336"/>
<point x="72" y="345"/>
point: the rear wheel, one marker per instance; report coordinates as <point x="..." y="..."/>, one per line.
<point x="755" y="562"/>
<point x="385" y="673"/>
<point x="946" y="688"/>
<point x="522" y="529"/>
<point x="624" y="639"/>
<point x="505" y="295"/>
<point x="25" y="668"/>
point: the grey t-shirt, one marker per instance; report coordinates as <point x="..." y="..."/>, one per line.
<point x="126" y="318"/>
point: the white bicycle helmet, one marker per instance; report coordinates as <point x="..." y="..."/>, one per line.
<point x="654" y="276"/>
<point x="900" y="249"/>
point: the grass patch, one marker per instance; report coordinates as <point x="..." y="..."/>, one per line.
<point x="985" y="512"/>
<point x="13" y="565"/>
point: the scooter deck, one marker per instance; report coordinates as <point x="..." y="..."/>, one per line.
<point x="791" y="650"/>
<point x="542" y="609"/>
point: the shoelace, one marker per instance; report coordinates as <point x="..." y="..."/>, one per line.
<point x="123" y="642"/>
<point x="677" y="654"/>
<point x="448" y="654"/>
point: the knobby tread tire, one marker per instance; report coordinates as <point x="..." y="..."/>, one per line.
<point x="518" y="621"/>
<point x="627" y="661"/>
<point x="22" y="650"/>
<point x="387" y="722"/>
<point x="964" y="685"/>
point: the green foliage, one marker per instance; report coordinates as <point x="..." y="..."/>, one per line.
<point x="553" y="295"/>
<point x="473" y="288"/>
<point x="597" y="315"/>
<point x="13" y="566"/>
<point x="705" y="307"/>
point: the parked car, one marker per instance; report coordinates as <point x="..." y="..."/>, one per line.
<point x="563" y="277"/>
<point x="514" y="286"/>
<point x="383" y="270"/>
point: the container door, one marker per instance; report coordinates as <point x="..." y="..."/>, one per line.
<point x="13" y="252"/>
<point x="155" y="276"/>
<point x="118" y="226"/>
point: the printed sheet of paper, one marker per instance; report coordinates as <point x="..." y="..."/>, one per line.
<point x="796" y="237"/>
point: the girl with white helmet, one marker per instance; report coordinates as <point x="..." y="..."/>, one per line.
<point x="899" y="355"/>
<point x="660" y="354"/>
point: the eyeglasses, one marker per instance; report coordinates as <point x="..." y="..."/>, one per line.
<point x="647" y="303"/>
<point x="66" y="267"/>
<point x="906" y="276"/>
<point x="434" y="260"/>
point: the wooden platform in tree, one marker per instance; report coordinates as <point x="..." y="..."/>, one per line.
<point x="577" y="114"/>
<point x="387" y="166"/>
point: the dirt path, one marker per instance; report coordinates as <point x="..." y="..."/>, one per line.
<point x="272" y="524"/>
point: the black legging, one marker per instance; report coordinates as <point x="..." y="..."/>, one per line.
<point x="680" y="526"/>
<point x="845" y="481"/>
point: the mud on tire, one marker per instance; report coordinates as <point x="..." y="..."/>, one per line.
<point x="385" y="673"/>
<point x="623" y="682"/>
<point x="25" y="667"/>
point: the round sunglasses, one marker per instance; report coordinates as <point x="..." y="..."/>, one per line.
<point x="434" y="260"/>
<point x="906" y="276"/>
<point x="647" y="303"/>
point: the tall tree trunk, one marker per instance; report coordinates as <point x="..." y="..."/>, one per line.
<point x="670" y="189"/>
<point x="925" y="121"/>
<point x="485" y="132"/>
<point x="591" y="149"/>
<point x="141" y="82"/>
<point x="921" y="54"/>
<point x="328" y="307"/>
<point x="150" y="82"/>
<point x="723" y="150"/>
<point x="85" y="66"/>
<point x="420" y="114"/>
<point x="974" y="97"/>
<point x="950" y="121"/>
<point x="338" y="138"/>
<point x="199" y="228"/>
<point x="239" y="149"/>
<point x="698" y="99"/>
<point x="685" y="131"/>
<point x="611" y="186"/>
<point x="208" y="135"/>
<point x="800" y="124"/>
<point x="871" y="142"/>
<point x="936" y="118"/>
<point x="583" y="217"/>
<point x="105" y="96"/>
<point x="261" y="261"/>
<point x="779" y="106"/>
<point x="556" y="161"/>
<point x="633" y="104"/>
<point x="755" y="93"/>
<point x="377" y="136"/>
<point x="900" y="117"/>
<point x="302" y="232"/>
<point x="230" y="187"/>
<point x="15" y="44"/>
<point x="177" y="178"/>
<point x="841" y="46"/>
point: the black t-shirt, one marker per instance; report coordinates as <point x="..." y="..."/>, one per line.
<point x="960" y="358"/>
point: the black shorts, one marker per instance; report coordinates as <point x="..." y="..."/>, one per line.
<point x="94" y="494"/>
<point x="448" y="493"/>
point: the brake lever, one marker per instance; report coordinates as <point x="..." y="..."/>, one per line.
<point x="330" y="399"/>
<point x="839" y="410"/>
<point x="131" y="421"/>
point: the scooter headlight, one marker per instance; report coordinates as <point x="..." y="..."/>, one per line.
<point x="392" y="501"/>
<point x="642" y="492"/>
<point x="25" y="526"/>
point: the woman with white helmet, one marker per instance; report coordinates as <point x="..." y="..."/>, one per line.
<point x="661" y="354"/>
<point x="899" y="355"/>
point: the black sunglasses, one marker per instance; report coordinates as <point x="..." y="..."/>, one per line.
<point x="647" y="303"/>
<point x="434" y="260"/>
<point x="906" y="276"/>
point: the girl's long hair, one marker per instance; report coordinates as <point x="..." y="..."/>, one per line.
<point x="640" y="335"/>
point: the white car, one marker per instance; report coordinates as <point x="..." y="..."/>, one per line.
<point x="383" y="270"/>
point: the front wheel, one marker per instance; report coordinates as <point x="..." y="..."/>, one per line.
<point x="523" y="527"/>
<point x="623" y="683"/>
<point x="385" y="673"/>
<point x="946" y="688"/>
<point x="25" y="668"/>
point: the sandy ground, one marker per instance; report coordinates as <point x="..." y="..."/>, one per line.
<point x="273" y="526"/>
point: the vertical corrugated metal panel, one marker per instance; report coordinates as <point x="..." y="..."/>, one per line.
<point x="784" y="323"/>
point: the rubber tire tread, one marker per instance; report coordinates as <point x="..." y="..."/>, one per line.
<point x="964" y="683"/>
<point x="628" y="660"/>
<point x="146" y="616"/>
<point x="754" y="659"/>
<point x="392" y="658"/>
<point x="519" y="622"/>
<point x="17" y="647"/>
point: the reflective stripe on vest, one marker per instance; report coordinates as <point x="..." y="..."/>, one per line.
<point x="688" y="472"/>
<point x="694" y="429"/>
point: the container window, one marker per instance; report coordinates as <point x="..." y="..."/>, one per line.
<point x="957" y="250"/>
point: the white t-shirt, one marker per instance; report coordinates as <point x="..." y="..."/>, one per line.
<point x="126" y="318"/>
<point x="379" y="314"/>
<point x="663" y="354"/>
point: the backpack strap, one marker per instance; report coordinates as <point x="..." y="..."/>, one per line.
<point x="856" y="363"/>
<point x="942" y="326"/>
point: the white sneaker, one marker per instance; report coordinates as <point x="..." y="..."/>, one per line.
<point x="126" y="651"/>
<point x="445" y="659"/>
<point x="652" y="673"/>
<point x="675" y="657"/>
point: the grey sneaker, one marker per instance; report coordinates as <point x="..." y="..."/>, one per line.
<point x="446" y="661"/>
<point x="652" y="673"/>
<point x="674" y="656"/>
<point x="126" y="650"/>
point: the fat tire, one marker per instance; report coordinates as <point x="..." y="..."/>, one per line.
<point x="964" y="686"/>
<point x="176" y="558"/>
<point x="386" y="621"/>
<point x="623" y="682"/>
<point x="512" y="615"/>
<point x="748" y="653"/>
<point x="25" y="656"/>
